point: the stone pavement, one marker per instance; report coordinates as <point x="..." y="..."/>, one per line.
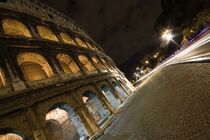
<point x="172" y="104"/>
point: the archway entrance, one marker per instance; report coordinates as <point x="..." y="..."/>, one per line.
<point x="119" y="90"/>
<point x="64" y="123"/>
<point x="110" y="97"/>
<point x="34" y="66"/>
<point x="11" y="134"/>
<point x="95" y="107"/>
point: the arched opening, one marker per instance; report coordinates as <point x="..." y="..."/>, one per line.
<point x="86" y="63"/>
<point x="46" y="33"/>
<point x="67" y="39"/>
<point x="119" y="90"/>
<point x="98" y="63"/>
<point x="68" y="64"/>
<point x="81" y="43"/>
<point x="64" y="123"/>
<point x="95" y="107"/>
<point x="11" y="134"/>
<point x="15" y="27"/>
<point x="110" y="96"/>
<point x="2" y="78"/>
<point x="34" y="66"/>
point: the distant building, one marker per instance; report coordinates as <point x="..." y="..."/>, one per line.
<point x="55" y="81"/>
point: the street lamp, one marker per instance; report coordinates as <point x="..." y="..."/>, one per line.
<point x="155" y="56"/>
<point x="167" y="35"/>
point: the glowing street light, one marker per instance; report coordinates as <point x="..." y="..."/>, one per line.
<point x="147" y="62"/>
<point x="155" y="56"/>
<point x="167" y="35"/>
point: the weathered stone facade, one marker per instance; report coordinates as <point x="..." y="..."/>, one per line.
<point x="48" y="64"/>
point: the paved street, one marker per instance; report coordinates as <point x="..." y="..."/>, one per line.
<point x="172" y="103"/>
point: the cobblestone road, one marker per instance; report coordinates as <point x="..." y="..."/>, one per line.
<point x="172" y="104"/>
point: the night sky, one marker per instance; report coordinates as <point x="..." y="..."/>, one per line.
<point x="124" y="28"/>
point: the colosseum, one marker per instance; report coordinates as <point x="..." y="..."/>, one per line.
<point x="56" y="83"/>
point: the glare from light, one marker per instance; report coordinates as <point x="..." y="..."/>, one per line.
<point x="147" y="62"/>
<point x="167" y="35"/>
<point x="155" y="56"/>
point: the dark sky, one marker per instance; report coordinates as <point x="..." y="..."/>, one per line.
<point x="124" y="28"/>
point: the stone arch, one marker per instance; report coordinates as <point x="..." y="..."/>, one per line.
<point x="110" y="96"/>
<point x="64" y="123"/>
<point x="98" y="63"/>
<point x="15" y="27"/>
<point x="119" y="90"/>
<point x="46" y="33"/>
<point x="34" y="66"/>
<point x="80" y="42"/>
<point x="68" y="64"/>
<point x="95" y="107"/>
<point x="11" y="134"/>
<point x="2" y="78"/>
<point x="66" y="38"/>
<point x="86" y="63"/>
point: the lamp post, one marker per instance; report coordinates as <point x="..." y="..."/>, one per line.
<point x="168" y="36"/>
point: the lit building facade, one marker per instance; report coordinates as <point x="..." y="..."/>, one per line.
<point x="55" y="81"/>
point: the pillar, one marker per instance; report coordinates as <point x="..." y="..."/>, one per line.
<point x="4" y="68"/>
<point x="17" y="84"/>
<point x="104" y="99"/>
<point x="34" y="124"/>
<point x="113" y="89"/>
<point x="89" y="123"/>
<point x="55" y="66"/>
<point x="81" y="67"/>
<point x="93" y="63"/>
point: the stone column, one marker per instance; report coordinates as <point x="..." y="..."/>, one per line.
<point x="85" y="116"/>
<point x="87" y="120"/>
<point x="113" y="89"/>
<point x="104" y="99"/>
<point x="34" y="124"/>
<point x="128" y="82"/>
<point x="105" y="64"/>
<point x="124" y="87"/>
<point x="4" y="68"/>
<point x="93" y="63"/>
<point x="57" y="68"/>
<point x="57" y="34"/>
<point x="32" y="30"/>
<point x="121" y="85"/>
<point x="81" y="67"/>
<point x="17" y="84"/>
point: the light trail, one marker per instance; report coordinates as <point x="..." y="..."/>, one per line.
<point x="183" y="55"/>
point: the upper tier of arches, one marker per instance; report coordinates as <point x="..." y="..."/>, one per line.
<point x="17" y="28"/>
